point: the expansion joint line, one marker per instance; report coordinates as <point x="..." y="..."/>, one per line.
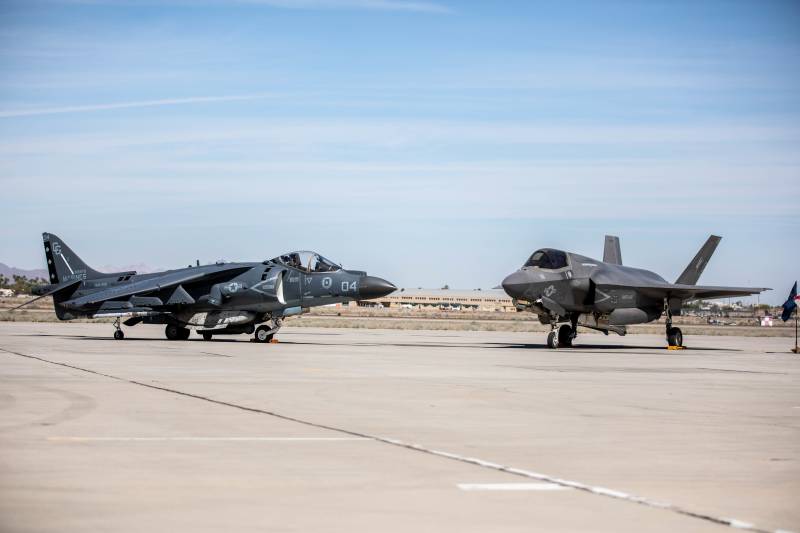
<point x="600" y="491"/>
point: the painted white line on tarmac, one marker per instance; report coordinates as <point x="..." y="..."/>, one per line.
<point x="511" y="486"/>
<point x="205" y="439"/>
<point x="566" y="483"/>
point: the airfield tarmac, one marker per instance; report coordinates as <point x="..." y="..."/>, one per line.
<point x="377" y="430"/>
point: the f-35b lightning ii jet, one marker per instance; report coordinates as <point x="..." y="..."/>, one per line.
<point x="574" y="290"/>
<point x="224" y="298"/>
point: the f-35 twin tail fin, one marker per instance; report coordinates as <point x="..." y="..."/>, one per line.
<point x="695" y="268"/>
<point x="611" y="252"/>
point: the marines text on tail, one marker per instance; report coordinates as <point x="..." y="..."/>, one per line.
<point x="223" y="298"/>
<point x="574" y="290"/>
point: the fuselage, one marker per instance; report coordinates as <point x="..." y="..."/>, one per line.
<point x="571" y="282"/>
<point x="272" y="287"/>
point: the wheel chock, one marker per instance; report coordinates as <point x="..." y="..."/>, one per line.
<point x="676" y="347"/>
<point x="274" y="341"/>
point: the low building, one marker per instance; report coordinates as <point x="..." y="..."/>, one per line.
<point x="483" y="300"/>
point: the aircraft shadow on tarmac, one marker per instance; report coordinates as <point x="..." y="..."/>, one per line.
<point x="581" y="348"/>
<point x="604" y="348"/>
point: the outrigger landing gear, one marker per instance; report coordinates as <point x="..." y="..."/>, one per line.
<point x="674" y="335"/>
<point x="118" y="334"/>
<point x="266" y="332"/>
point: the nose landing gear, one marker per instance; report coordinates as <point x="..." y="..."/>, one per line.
<point x="563" y="336"/>
<point x="266" y="332"/>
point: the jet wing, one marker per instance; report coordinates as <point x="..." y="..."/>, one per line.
<point x="709" y="293"/>
<point x="683" y="291"/>
<point x="149" y="285"/>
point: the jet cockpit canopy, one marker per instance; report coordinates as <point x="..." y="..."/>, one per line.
<point x="307" y="261"/>
<point x="547" y="258"/>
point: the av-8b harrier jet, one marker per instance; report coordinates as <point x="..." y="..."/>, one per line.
<point x="574" y="290"/>
<point x="224" y="298"/>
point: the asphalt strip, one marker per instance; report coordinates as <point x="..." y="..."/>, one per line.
<point x="600" y="491"/>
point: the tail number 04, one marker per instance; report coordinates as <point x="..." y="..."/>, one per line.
<point x="348" y="286"/>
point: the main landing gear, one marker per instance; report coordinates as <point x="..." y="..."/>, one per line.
<point x="174" y="332"/>
<point x="674" y="335"/>
<point x="118" y="334"/>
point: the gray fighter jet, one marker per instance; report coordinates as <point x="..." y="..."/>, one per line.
<point x="218" y="299"/>
<point x="574" y="290"/>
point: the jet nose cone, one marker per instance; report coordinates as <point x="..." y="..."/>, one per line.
<point x="515" y="284"/>
<point x="372" y="287"/>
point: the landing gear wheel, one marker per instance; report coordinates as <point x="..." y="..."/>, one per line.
<point x="207" y="335"/>
<point x="674" y="337"/>
<point x="552" y="340"/>
<point x="183" y="334"/>
<point x="565" y="335"/>
<point x="172" y="331"/>
<point x="118" y="335"/>
<point x="263" y="334"/>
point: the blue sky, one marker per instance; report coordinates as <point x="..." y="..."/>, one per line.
<point x="427" y="142"/>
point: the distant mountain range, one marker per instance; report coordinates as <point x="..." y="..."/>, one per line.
<point x="10" y="272"/>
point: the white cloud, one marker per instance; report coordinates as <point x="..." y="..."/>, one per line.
<point x="375" y="5"/>
<point x="124" y="105"/>
<point x="392" y="135"/>
<point x="384" y="5"/>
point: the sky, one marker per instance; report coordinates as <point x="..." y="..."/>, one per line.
<point x="427" y="142"/>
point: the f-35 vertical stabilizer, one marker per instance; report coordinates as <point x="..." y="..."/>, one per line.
<point x="693" y="270"/>
<point x="611" y="252"/>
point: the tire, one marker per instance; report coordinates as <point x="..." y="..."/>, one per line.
<point x="674" y="337"/>
<point x="207" y="335"/>
<point x="263" y="334"/>
<point x="183" y="334"/>
<point x="172" y="331"/>
<point x="119" y="335"/>
<point x="565" y="335"/>
<point x="552" y="340"/>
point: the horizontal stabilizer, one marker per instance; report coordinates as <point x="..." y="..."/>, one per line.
<point x="50" y="291"/>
